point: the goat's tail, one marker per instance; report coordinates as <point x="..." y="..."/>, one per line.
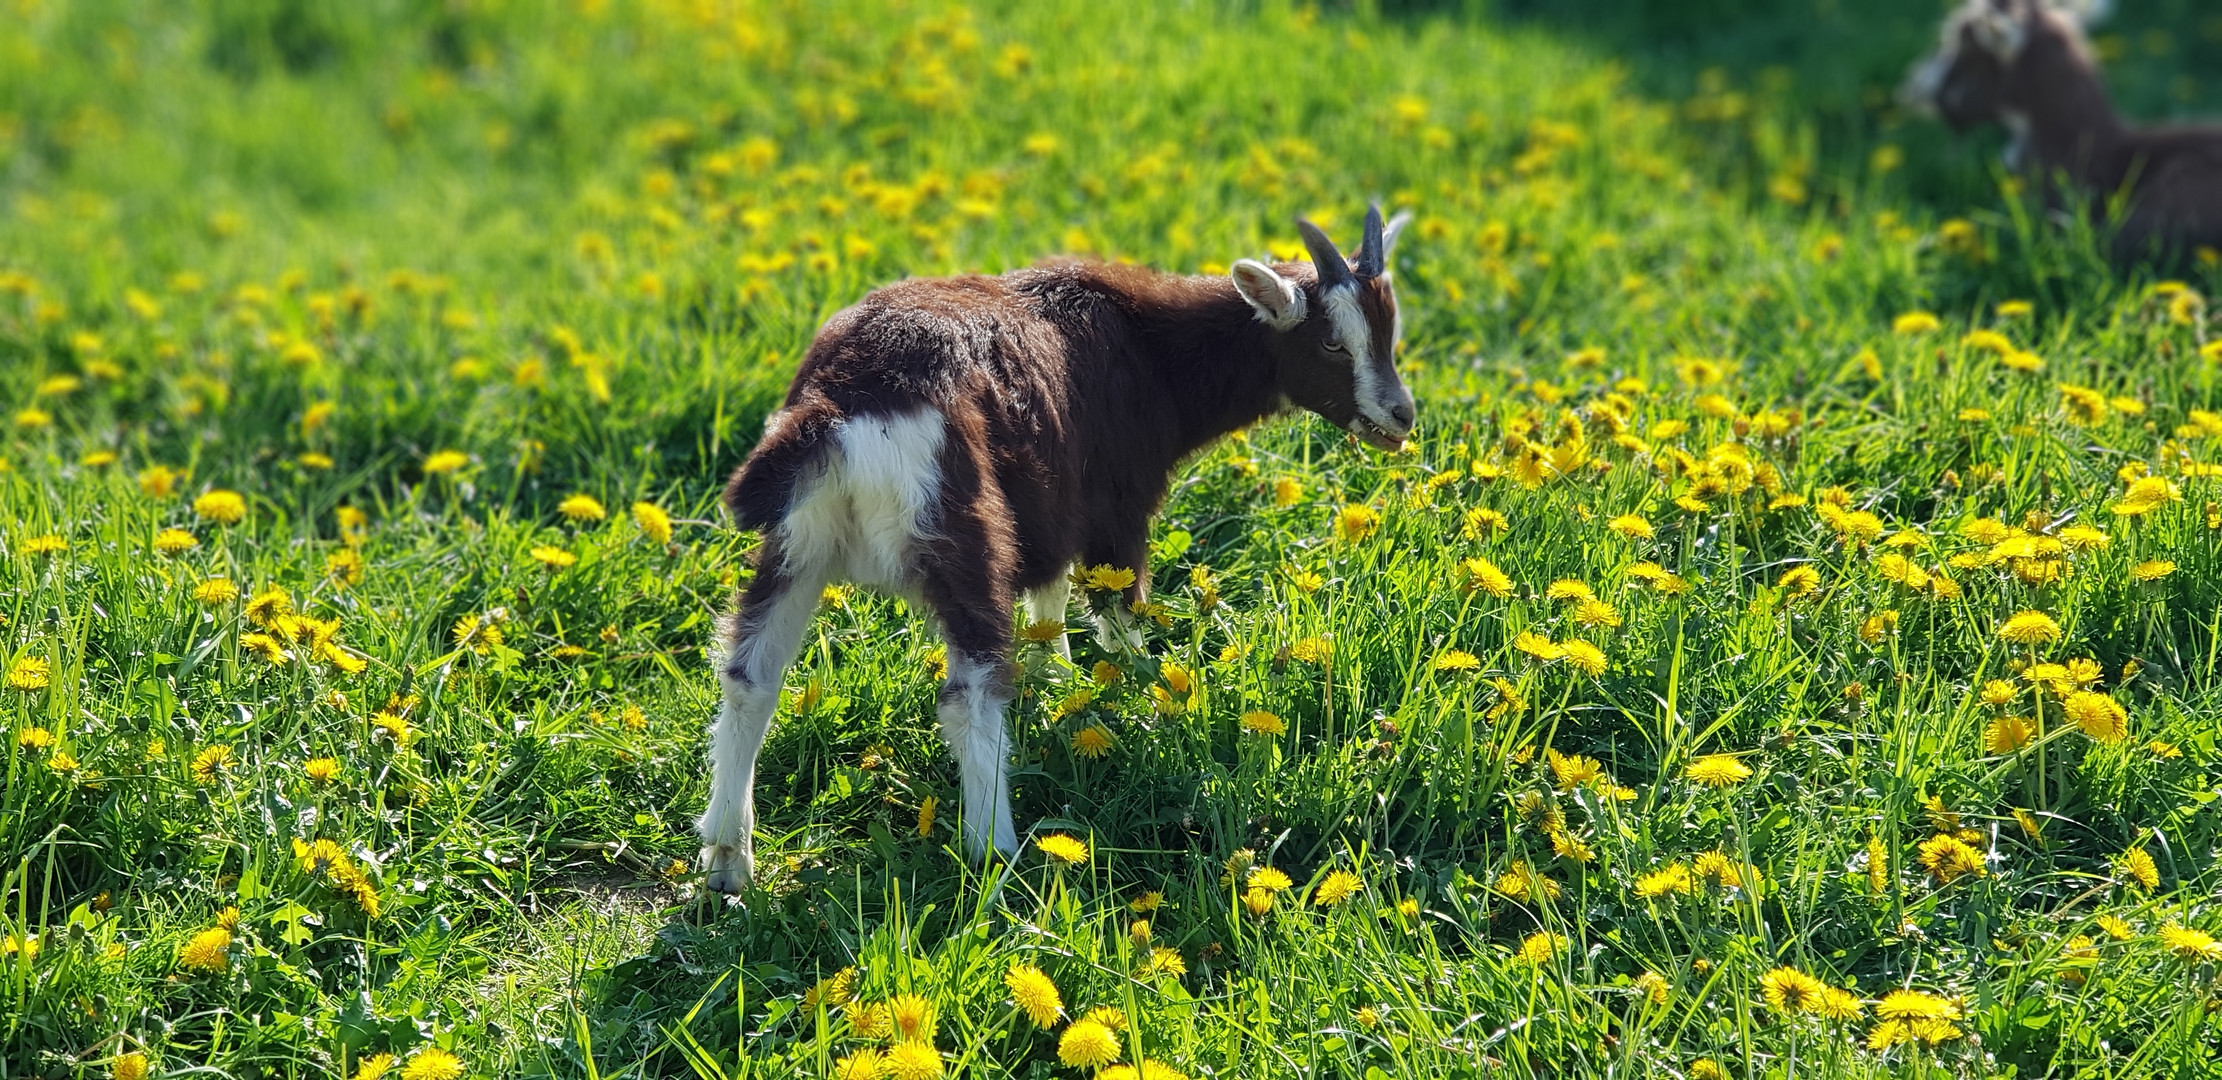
<point x="794" y="441"/>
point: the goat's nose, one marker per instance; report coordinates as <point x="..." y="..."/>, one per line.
<point x="1401" y="412"/>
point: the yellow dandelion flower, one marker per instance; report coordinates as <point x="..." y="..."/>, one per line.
<point x="209" y="951"/>
<point x="1653" y="986"/>
<point x="913" y="1061"/>
<point x="1540" y="948"/>
<point x="1632" y="526"/>
<point x="269" y="606"/>
<point x="913" y="1016"/>
<point x="1107" y="578"/>
<point x="1948" y="858"/>
<point x="432" y="1063"/>
<point x="321" y="770"/>
<point x="1838" y="1004"/>
<point x="1569" y="589"/>
<point x="28" y="673"/>
<point x="2189" y="943"/>
<point x="1035" y="994"/>
<point x="1263" y="723"/>
<point x="221" y="506"/>
<point x="1269" y="879"/>
<point x="1337" y="888"/>
<point x="1092" y="741"/>
<point x="215" y="592"/>
<point x="653" y="522"/>
<point x="1719" y="868"/>
<point x="1789" y="990"/>
<point x="1287" y="492"/>
<point x="1717" y="771"/>
<point x="1480" y="575"/>
<point x="1110" y="1016"/>
<point x="2151" y="570"/>
<point x="2007" y="734"/>
<point x="1595" y="612"/>
<point x="865" y="1064"/>
<point x="175" y="541"/>
<point x="1538" y="646"/>
<point x="131" y="1066"/>
<point x="1456" y="661"/>
<point x="1588" y="658"/>
<point x="269" y="648"/>
<point x="833" y="991"/>
<point x="1668" y="880"/>
<point x="1355" y="523"/>
<point x="1311" y="650"/>
<point x="2101" y="717"/>
<point x="2139" y="865"/>
<point x="554" y="558"/>
<point x="1522" y="883"/>
<point x="1915" y="1005"/>
<point x="1915" y="322"/>
<point x="1062" y="849"/>
<point x="210" y="764"/>
<point x="445" y="461"/>
<point x="869" y="1020"/>
<point x="1164" y="962"/>
<point x="1799" y="581"/>
<point x="2029" y="628"/>
<point x="582" y="508"/>
<point x="1088" y="1045"/>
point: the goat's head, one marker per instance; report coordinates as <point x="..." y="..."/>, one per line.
<point x="1969" y="81"/>
<point x="1335" y="333"/>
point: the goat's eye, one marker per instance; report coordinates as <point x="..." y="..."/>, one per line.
<point x="1334" y="347"/>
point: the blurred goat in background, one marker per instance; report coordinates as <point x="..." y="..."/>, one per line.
<point x="2025" y="65"/>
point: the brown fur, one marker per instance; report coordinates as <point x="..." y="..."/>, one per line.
<point x="1071" y="389"/>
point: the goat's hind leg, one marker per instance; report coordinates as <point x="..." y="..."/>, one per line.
<point x="1047" y="604"/>
<point x="757" y="646"/>
<point x="974" y="610"/>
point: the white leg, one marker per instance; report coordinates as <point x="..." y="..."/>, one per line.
<point x="761" y="643"/>
<point x="1048" y="604"/>
<point x="972" y="720"/>
<point x="1115" y="627"/>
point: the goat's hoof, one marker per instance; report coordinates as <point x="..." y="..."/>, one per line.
<point x="728" y="870"/>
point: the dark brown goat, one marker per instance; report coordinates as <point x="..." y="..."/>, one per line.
<point x="965" y="441"/>
<point x="2024" y="65"/>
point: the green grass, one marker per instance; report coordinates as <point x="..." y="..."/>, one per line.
<point x="297" y="251"/>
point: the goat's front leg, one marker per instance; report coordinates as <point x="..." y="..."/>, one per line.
<point x="1115" y="622"/>
<point x="758" y="645"/>
<point x="971" y="710"/>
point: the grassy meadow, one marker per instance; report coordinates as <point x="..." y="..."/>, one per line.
<point x="1789" y="647"/>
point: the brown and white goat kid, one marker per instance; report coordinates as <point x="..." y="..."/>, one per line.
<point x="962" y="442"/>
<point x="2025" y="65"/>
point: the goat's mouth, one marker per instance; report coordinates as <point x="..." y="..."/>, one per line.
<point x="1374" y="434"/>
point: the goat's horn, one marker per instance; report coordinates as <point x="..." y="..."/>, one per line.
<point x="1333" y="268"/>
<point x="1371" y="256"/>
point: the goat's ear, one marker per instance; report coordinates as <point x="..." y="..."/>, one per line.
<point x="1277" y="300"/>
<point x="2083" y="13"/>
<point x="1390" y="232"/>
<point x="2001" y="27"/>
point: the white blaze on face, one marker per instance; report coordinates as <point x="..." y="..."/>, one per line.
<point x="1376" y="402"/>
